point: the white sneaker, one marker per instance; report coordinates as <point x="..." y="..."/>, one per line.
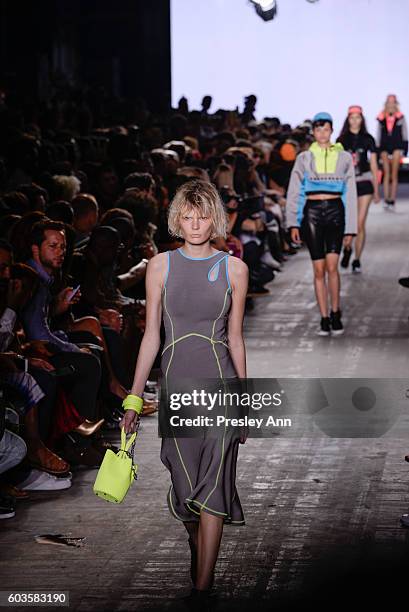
<point x="32" y="476"/>
<point x="269" y="260"/>
<point x="45" y="482"/>
<point x="6" y="515"/>
<point x="49" y="483"/>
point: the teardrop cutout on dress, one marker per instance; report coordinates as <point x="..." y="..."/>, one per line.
<point x="213" y="273"/>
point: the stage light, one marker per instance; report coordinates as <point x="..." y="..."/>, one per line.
<point x="266" y="9"/>
<point x="266" y="5"/>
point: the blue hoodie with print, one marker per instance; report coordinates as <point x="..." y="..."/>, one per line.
<point x="323" y="170"/>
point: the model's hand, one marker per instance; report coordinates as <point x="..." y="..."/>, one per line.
<point x="129" y="421"/>
<point x="295" y="235"/>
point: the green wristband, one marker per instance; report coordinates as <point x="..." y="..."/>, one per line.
<point x="133" y="402"/>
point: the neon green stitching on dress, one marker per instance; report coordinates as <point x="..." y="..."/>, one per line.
<point x="208" y="508"/>
<point x="194" y="334"/>
<point x="194" y="501"/>
<point x="190" y="508"/>
<point x="171" y="504"/>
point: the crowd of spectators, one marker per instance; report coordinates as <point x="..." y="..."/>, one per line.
<point x="85" y="184"/>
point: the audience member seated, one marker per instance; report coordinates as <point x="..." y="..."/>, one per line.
<point x="48" y="246"/>
<point x="14" y="369"/>
<point x="86" y="211"/>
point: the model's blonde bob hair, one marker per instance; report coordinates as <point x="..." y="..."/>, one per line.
<point x="201" y="196"/>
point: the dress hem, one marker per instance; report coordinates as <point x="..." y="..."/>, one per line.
<point x="196" y="514"/>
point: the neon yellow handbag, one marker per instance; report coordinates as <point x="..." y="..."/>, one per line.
<point x="117" y="471"/>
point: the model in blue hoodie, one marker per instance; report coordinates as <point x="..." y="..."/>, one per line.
<point x="323" y="170"/>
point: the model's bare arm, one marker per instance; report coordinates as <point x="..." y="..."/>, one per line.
<point x="155" y="278"/>
<point x="374" y="169"/>
<point x="239" y="275"/>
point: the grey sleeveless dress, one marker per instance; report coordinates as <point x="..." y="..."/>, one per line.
<point x="196" y="300"/>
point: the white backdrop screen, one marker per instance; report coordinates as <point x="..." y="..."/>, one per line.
<point x="311" y="57"/>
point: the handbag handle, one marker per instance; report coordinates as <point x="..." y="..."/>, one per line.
<point x="125" y="446"/>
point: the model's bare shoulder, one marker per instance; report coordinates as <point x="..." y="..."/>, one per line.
<point x="159" y="261"/>
<point x="238" y="271"/>
<point x="157" y="267"/>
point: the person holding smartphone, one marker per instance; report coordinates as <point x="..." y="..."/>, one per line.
<point x="48" y="246"/>
<point x="322" y="210"/>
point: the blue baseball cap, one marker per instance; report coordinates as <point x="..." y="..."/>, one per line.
<point x="322" y="117"/>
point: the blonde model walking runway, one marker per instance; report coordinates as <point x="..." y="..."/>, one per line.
<point x="200" y="292"/>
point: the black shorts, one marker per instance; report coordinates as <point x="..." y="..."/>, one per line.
<point x="322" y="227"/>
<point x="364" y="188"/>
<point x="391" y="148"/>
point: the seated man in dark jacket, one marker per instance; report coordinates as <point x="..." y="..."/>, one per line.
<point x="48" y="246"/>
<point x="24" y="375"/>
